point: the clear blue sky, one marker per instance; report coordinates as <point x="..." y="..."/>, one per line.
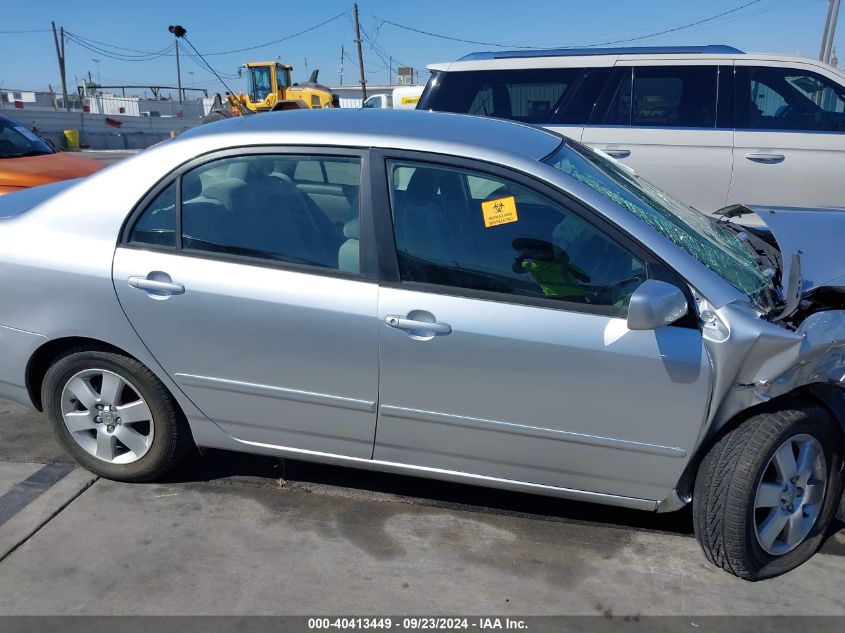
<point x="28" y="61"/>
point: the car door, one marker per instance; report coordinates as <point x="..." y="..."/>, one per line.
<point x="790" y="137"/>
<point x="504" y="351"/>
<point x="669" y="121"/>
<point x="254" y="301"/>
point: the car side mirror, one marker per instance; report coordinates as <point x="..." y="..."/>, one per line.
<point x="655" y="304"/>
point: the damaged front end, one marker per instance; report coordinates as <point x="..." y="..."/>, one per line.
<point x="796" y="347"/>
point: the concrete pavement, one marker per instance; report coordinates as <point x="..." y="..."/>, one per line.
<point x="109" y="156"/>
<point x="234" y="534"/>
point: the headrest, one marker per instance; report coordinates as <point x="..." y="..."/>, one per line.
<point x="191" y="187"/>
<point x="422" y="188"/>
<point x="352" y="229"/>
<point x="238" y="170"/>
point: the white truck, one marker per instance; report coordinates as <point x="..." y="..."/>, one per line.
<point x="404" y="98"/>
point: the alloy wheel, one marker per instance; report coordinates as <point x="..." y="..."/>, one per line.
<point x="107" y="416"/>
<point x="790" y="494"/>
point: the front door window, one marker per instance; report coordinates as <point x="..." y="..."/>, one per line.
<point x="462" y="229"/>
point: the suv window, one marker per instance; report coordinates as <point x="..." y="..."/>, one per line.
<point x="788" y="99"/>
<point x="250" y="206"/>
<point x="469" y="230"/>
<point x="664" y="96"/>
<point x="527" y="95"/>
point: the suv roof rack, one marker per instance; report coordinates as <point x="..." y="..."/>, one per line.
<point x="712" y="49"/>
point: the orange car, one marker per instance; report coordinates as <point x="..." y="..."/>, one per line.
<point x="27" y="161"/>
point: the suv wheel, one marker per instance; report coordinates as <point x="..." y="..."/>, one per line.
<point x="114" y="416"/>
<point x="767" y="491"/>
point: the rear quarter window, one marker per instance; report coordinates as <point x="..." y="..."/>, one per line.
<point x="537" y="96"/>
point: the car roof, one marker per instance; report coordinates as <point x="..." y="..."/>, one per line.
<point x="438" y="132"/>
<point x="605" y="57"/>
<point x="711" y="49"/>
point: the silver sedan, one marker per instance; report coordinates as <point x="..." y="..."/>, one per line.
<point x="453" y="297"/>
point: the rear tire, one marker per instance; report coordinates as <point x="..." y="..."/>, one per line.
<point x="742" y="497"/>
<point x="145" y="444"/>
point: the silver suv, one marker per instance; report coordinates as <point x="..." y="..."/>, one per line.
<point x="712" y="125"/>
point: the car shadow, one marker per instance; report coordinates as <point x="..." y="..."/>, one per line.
<point x="271" y="472"/>
<point x="254" y="470"/>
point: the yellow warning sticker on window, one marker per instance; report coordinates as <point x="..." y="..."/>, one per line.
<point x="499" y="211"/>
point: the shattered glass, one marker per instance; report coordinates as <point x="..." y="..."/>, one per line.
<point x="714" y="245"/>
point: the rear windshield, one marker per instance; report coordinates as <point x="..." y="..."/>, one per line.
<point x="545" y="95"/>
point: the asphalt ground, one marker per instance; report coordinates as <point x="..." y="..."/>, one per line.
<point x="229" y="533"/>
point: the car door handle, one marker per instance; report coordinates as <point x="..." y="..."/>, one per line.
<point x="616" y="152"/>
<point x="765" y="157"/>
<point x="404" y="323"/>
<point x="156" y="285"/>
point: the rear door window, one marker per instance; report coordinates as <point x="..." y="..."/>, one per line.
<point x="527" y="95"/>
<point x="251" y="206"/>
<point x="663" y="96"/>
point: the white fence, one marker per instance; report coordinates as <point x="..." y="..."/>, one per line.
<point x="101" y="131"/>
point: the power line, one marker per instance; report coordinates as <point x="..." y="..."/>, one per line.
<point x="382" y="53"/>
<point x="446" y="37"/>
<point x="679" y="28"/>
<point x="761" y="11"/>
<point x="113" y="51"/>
<point x="202" y="64"/>
<point x="25" y="31"/>
<point x="193" y="48"/>
<point x="283" y="39"/>
<point x="133" y="50"/>
<point x="117" y="56"/>
<point x="608" y="43"/>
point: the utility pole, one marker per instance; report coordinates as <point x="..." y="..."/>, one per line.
<point x="60" y="53"/>
<point x="829" y="31"/>
<point x="342" y="55"/>
<point x="178" y="73"/>
<point x="390" y="71"/>
<point x="178" y="31"/>
<point x="360" y="54"/>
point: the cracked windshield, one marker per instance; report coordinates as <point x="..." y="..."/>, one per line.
<point x="717" y="247"/>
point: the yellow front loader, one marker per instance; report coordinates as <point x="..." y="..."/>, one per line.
<point x="269" y="89"/>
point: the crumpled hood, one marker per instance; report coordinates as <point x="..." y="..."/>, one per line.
<point x="819" y="235"/>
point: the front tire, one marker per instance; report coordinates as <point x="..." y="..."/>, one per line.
<point x="114" y="415"/>
<point x="767" y="491"/>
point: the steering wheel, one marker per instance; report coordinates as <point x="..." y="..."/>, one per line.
<point x="784" y="112"/>
<point x="625" y="288"/>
